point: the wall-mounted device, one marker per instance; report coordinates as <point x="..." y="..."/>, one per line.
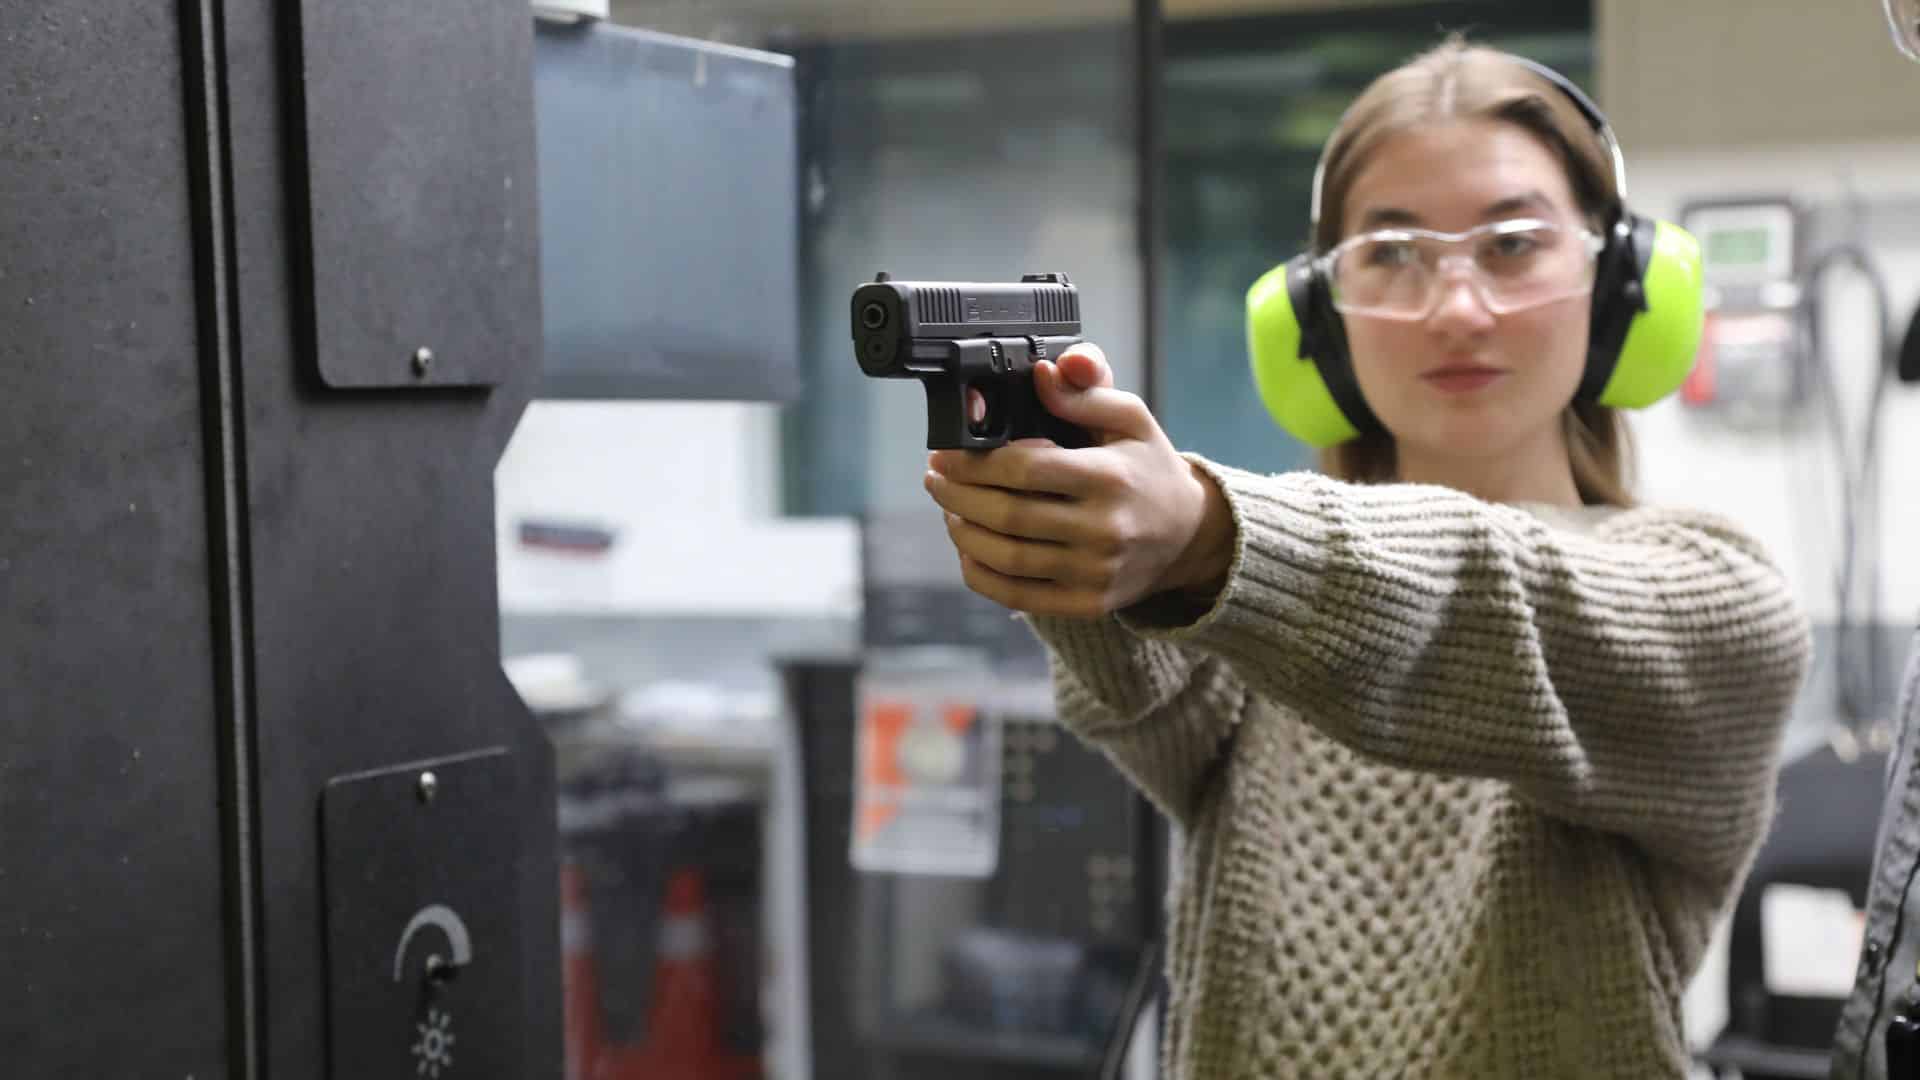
<point x="1749" y="369"/>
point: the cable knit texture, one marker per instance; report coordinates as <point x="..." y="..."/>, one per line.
<point x="1461" y="789"/>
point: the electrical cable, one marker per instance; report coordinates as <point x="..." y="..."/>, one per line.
<point x="1859" y="480"/>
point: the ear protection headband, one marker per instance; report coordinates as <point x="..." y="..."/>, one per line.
<point x="1646" y="317"/>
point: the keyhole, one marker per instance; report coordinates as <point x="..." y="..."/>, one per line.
<point x="441" y="971"/>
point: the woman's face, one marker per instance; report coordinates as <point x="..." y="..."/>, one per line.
<point x="1462" y="382"/>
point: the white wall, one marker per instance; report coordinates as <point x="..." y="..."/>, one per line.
<point x="692" y="490"/>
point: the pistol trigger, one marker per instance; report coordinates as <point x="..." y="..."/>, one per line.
<point x="976" y="411"/>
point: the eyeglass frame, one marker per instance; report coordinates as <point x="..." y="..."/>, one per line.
<point x="1325" y="263"/>
<point x="1903" y="21"/>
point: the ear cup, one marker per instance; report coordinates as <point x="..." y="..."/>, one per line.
<point x="1297" y="346"/>
<point x="1908" y="365"/>
<point x="1648" y="314"/>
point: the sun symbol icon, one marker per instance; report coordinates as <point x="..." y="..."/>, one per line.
<point x="435" y="1048"/>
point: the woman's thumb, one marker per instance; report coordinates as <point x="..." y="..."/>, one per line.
<point x="1085" y="366"/>
<point x="1106" y="412"/>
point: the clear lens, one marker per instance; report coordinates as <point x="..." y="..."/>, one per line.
<point x="1903" y="18"/>
<point x="1512" y="266"/>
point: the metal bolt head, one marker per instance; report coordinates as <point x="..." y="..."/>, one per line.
<point x="429" y="786"/>
<point x="422" y="360"/>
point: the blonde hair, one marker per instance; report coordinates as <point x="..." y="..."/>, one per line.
<point x="1458" y="81"/>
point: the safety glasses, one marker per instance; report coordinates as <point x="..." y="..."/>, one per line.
<point x="1903" y="18"/>
<point x="1511" y="266"/>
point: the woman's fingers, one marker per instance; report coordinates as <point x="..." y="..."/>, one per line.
<point x="1023" y="466"/>
<point x="1010" y="513"/>
<point x="1026" y="594"/>
<point x="1098" y="407"/>
<point x="1085" y="365"/>
<point x="1029" y="559"/>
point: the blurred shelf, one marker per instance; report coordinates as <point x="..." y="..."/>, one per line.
<point x="1753" y="1057"/>
<point x="699" y="752"/>
<point x="934" y="1035"/>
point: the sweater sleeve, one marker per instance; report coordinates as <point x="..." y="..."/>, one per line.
<point x="1160" y="712"/>
<point x="1635" y="676"/>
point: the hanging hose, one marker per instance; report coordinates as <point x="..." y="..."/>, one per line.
<point x="1859" y="476"/>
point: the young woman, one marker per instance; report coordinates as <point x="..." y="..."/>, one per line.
<point x="1465" y="752"/>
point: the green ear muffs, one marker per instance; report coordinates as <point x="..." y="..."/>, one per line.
<point x="1647" y="315"/>
<point x="1288" y="327"/>
<point x="1648" y="312"/>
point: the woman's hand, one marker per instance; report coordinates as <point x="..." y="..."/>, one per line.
<point x="1085" y="532"/>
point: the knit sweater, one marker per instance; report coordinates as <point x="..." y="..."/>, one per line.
<point x="1460" y="789"/>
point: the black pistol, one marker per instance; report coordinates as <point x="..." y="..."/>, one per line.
<point x="972" y="345"/>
